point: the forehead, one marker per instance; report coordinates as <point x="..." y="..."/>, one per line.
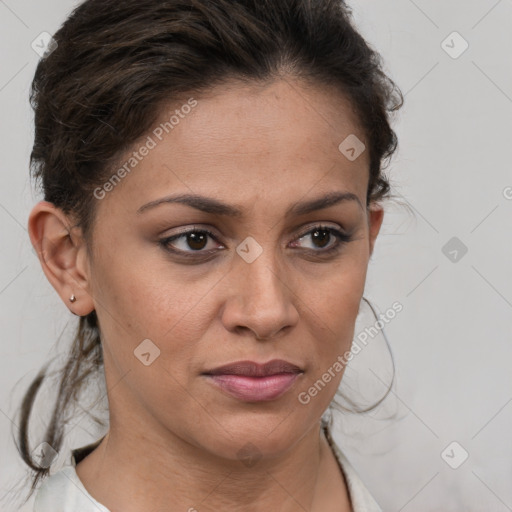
<point x="247" y="141"/>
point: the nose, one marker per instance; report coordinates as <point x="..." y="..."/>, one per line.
<point x="260" y="299"/>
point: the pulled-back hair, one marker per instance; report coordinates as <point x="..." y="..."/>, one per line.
<point x="116" y="64"/>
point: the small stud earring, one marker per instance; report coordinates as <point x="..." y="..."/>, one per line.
<point x="72" y="298"/>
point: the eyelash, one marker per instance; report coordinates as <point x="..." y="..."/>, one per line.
<point x="341" y="237"/>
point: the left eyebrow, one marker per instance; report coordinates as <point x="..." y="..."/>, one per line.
<point x="320" y="203"/>
<point x="216" y="207"/>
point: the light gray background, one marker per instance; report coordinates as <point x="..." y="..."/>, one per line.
<point x="452" y="341"/>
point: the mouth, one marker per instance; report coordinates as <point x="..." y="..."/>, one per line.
<point x="253" y="382"/>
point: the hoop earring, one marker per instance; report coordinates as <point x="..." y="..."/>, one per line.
<point x="72" y="298"/>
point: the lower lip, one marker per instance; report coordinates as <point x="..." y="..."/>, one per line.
<point x="255" y="389"/>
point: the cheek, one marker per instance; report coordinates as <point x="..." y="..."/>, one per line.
<point x="336" y="298"/>
<point x="332" y="310"/>
<point x="135" y="303"/>
<point x="144" y="307"/>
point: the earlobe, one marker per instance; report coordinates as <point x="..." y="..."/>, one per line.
<point x="60" y="249"/>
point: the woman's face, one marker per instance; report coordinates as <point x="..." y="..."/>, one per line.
<point x="270" y="283"/>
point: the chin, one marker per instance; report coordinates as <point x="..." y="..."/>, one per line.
<point x="252" y="435"/>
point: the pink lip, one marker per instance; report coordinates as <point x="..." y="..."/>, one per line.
<point x="253" y="382"/>
<point x="255" y="389"/>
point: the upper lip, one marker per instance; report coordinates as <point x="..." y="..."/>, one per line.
<point x="253" y="369"/>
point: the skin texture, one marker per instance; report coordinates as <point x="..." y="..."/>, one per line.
<point x="174" y="437"/>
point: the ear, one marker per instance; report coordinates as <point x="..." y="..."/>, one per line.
<point x="62" y="253"/>
<point x="375" y="218"/>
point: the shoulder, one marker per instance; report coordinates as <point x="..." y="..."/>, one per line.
<point x="63" y="492"/>
<point x="360" y="497"/>
<point x="362" y="500"/>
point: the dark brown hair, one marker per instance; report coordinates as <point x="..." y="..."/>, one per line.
<point x="116" y="64"/>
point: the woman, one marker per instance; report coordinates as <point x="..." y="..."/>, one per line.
<point x="212" y="178"/>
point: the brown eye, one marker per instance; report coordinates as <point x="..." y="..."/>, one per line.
<point x="321" y="237"/>
<point x="195" y="240"/>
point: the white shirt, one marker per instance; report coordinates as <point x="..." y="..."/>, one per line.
<point x="64" y="492"/>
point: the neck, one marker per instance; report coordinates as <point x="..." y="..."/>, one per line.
<point x="133" y="472"/>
